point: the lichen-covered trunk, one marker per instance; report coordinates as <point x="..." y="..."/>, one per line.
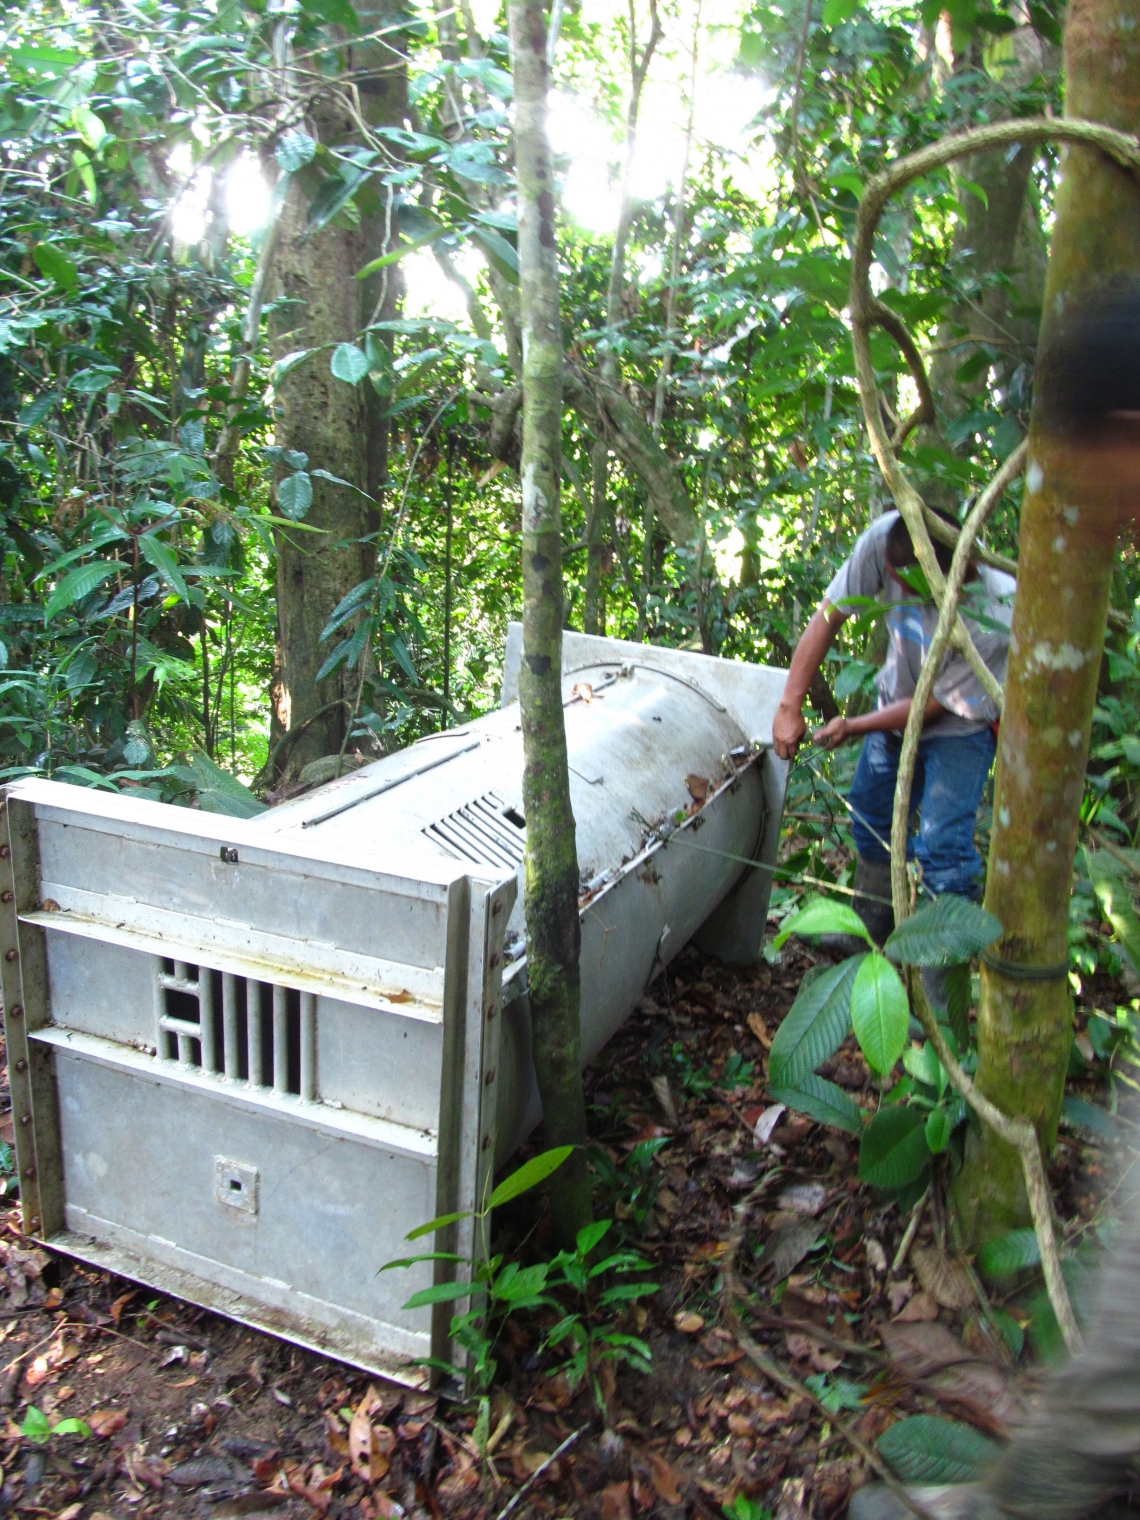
<point x="553" y="932"/>
<point x="1064" y="572"/>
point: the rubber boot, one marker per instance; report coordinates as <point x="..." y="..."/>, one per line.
<point x="872" y="877"/>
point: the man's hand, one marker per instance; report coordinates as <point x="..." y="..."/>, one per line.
<point x="788" y="728"/>
<point x="832" y="734"/>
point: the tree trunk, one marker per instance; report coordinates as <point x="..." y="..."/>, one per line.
<point x="340" y="427"/>
<point x="553" y="931"/>
<point x="1065" y="569"/>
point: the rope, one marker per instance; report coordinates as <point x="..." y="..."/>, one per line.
<point x="760" y="865"/>
<point x="1018" y="971"/>
<point x="855" y="813"/>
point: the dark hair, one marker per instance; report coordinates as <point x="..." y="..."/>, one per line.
<point x="900" y="550"/>
<point x="1089" y="366"/>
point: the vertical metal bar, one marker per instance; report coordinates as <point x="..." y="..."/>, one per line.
<point x="161" y="1038"/>
<point x="253" y="1031"/>
<point x="444" y="716"/>
<point x="309" y="1046"/>
<point x="208" y="1043"/>
<point x="280" y="1042"/>
<point x="181" y="971"/>
<point x="230" y="1024"/>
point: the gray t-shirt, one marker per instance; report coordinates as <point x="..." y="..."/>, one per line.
<point x="910" y="630"/>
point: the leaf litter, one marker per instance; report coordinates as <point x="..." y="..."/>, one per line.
<point x="175" y="1412"/>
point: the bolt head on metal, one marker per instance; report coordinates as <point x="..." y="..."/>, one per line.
<point x="10" y="955"/>
<point x="21" y="1065"/>
<point x="16" y="1011"/>
<point x="6" y="896"/>
<point x="490" y="1077"/>
<point x="229" y="854"/>
<point x="5" y="851"/>
<point x="29" y="1172"/>
<point x="25" y="1118"/>
<point x="496" y="908"/>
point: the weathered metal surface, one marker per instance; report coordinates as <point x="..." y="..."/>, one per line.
<point x="249" y="1056"/>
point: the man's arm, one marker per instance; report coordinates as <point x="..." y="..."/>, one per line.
<point x="883" y="719"/>
<point x="788" y="726"/>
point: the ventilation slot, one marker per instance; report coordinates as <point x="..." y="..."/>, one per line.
<point x="232" y="1026"/>
<point x="487" y="831"/>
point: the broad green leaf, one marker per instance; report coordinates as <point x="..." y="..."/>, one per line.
<point x="924" y="1066"/>
<point x="836" y="11"/>
<point x="289" y="362"/>
<point x="335" y="12"/>
<point x="894" y="1149"/>
<point x="295" y="150"/>
<point x="880" y="1013"/>
<point x="295" y="495"/>
<point x="815" y="1026"/>
<point x="35" y="1427"/>
<point x="72" y="1427"/>
<point x="944" y="932"/>
<point x="929" y="1450"/>
<point x="1088" y="1116"/>
<point x="156" y="552"/>
<point x="90" y="127"/>
<point x="590" y="1235"/>
<point x="37" y="410"/>
<point x="500" y="253"/>
<point x="524" y="1283"/>
<point x="1104" y="873"/>
<point x="348" y="363"/>
<point x="939" y="1128"/>
<point x="439" y="1223"/>
<point x="77" y="585"/>
<point x="822" y="916"/>
<point x="397" y="254"/>
<point x="218" y="790"/>
<point x="1006" y="1255"/>
<point x="439" y="1293"/>
<point x="529" y="1175"/>
<point x="414" y="1261"/>
<point x="822" y="1101"/>
<point x="55" y="265"/>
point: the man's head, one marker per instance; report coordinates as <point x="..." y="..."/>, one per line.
<point x="900" y="550"/>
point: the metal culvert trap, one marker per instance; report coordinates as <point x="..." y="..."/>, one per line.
<point x="248" y="1056"/>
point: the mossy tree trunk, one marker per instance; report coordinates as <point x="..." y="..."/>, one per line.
<point x="1065" y="568"/>
<point x="553" y="931"/>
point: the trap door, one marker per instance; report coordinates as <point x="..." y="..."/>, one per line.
<point x="242" y="1072"/>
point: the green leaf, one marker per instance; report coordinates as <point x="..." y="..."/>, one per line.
<point x="414" y="1261"/>
<point x="880" y="1013"/>
<point x="939" y="1128"/>
<point x="156" y="552"/>
<point x="289" y="362"/>
<point x="945" y="932"/>
<point x="35" y="1427"/>
<point x="37" y="410"/>
<point x="335" y="12"/>
<point x="439" y="1223"/>
<point x="1088" y="1116"/>
<point x="398" y="253"/>
<point x="439" y="1293"/>
<point x="71" y="1427"/>
<point x="348" y="363"/>
<point x="590" y="1235"/>
<point x="822" y="1101"/>
<point x="959" y="996"/>
<point x="55" y="265"/>
<point x="1113" y="898"/>
<point x="894" y="1149"/>
<point x="295" y="150"/>
<point x="331" y="197"/>
<point x="295" y="495"/>
<point x="218" y="791"/>
<point x="924" y="1066"/>
<point x="90" y="127"/>
<point x="836" y="11"/>
<point x="822" y="916"/>
<point x="524" y="1283"/>
<point x="1006" y="1255"/>
<point x="926" y="1449"/>
<point x="77" y="585"/>
<point x="500" y="253"/>
<point x="529" y="1175"/>
<point x="815" y="1026"/>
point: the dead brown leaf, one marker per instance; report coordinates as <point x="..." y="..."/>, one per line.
<point x="917" y="1309"/>
<point x="615" y="1502"/>
<point x="945" y="1279"/>
<point x="786" y="1247"/>
<point x="698" y="787"/>
<point x="688" y="1322"/>
<point x="920" y="1349"/>
<point x="664" y="1478"/>
<point x="760" y="1029"/>
<point x="107" y="1422"/>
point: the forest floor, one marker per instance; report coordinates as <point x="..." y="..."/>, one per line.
<point x="191" y="1415"/>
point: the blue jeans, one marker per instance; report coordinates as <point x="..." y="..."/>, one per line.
<point x="948" y="780"/>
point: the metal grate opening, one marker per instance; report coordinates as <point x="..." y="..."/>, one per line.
<point x="488" y="831"/>
<point x="235" y="1027"/>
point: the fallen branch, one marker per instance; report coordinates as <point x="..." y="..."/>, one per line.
<point x="513" y="1504"/>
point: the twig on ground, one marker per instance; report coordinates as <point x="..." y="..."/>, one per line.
<point x="513" y="1503"/>
<point x="911" y="1231"/>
